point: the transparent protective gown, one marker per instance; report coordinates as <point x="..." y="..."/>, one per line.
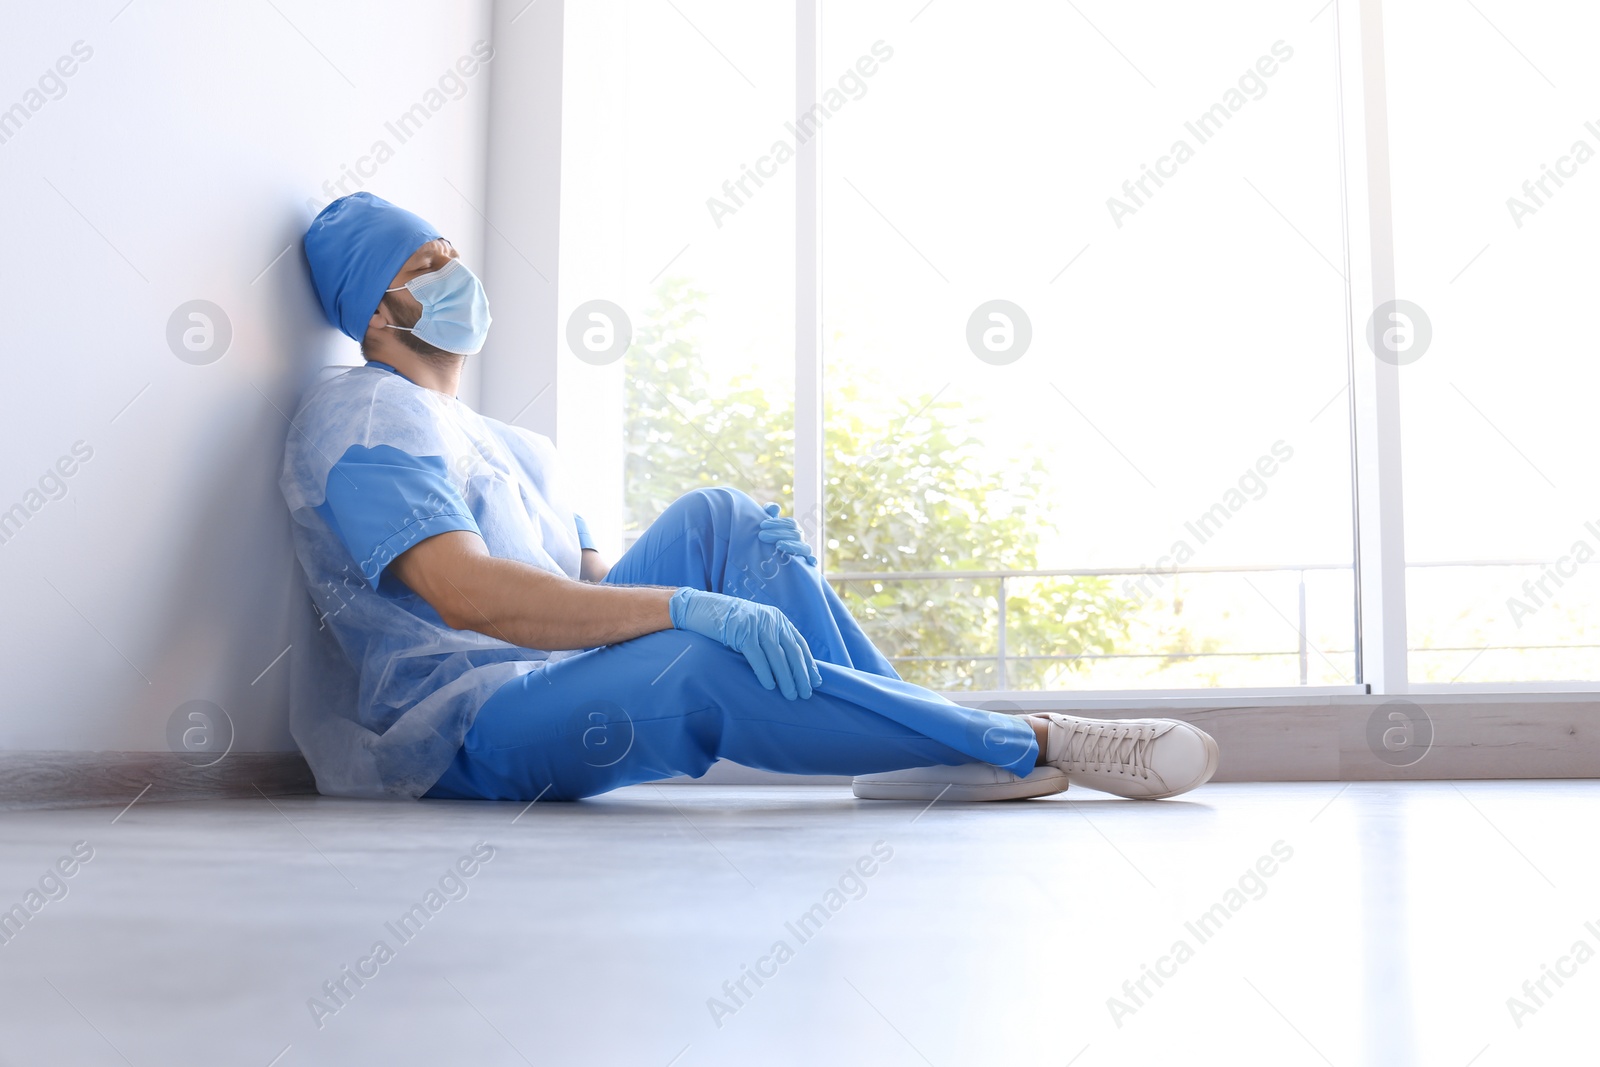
<point x="383" y="692"/>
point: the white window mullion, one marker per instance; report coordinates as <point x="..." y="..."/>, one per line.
<point x="1375" y="383"/>
<point x="808" y="288"/>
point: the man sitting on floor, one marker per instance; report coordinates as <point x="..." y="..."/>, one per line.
<point x="495" y="655"/>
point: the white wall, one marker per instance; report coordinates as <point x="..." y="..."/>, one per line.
<point x="184" y="155"/>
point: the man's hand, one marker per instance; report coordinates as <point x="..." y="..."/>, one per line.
<point x="772" y="646"/>
<point x="785" y="533"/>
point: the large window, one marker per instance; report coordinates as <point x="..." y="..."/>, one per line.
<point x="1084" y="326"/>
<point x="1497" y="194"/>
<point x="677" y="269"/>
<point x="1069" y="306"/>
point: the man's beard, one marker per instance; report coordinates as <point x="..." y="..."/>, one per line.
<point x="432" y="353"/>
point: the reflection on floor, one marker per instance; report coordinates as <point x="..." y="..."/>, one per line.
<point x="1447" y="923"/>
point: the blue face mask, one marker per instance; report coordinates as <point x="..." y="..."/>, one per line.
<point x="455" y="309"/>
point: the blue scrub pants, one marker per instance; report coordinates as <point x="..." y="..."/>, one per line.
<point x="673" y="702"/>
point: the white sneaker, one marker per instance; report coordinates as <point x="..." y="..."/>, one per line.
<point x="961" y="782"/>
<point x="1146" y="759"/>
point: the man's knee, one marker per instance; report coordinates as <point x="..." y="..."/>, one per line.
<point x="725" y="501"/>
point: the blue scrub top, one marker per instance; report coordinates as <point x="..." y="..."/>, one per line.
<point x="375" y="464"/>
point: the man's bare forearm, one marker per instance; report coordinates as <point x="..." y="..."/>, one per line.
<point x="592" y="568"/>
<point x="525" y="605"/>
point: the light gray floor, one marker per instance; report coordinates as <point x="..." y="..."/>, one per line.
<point x="1396" y="929"/>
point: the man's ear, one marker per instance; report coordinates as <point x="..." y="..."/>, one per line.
<point x="375" y="329"/>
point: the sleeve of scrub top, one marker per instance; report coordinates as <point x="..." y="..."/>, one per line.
<point x="381" y="501"/>
<point x="584" y="540"/>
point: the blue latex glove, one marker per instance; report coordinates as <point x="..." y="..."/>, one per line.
<point x="775" y="649"/>
<point x="785" y="533"/>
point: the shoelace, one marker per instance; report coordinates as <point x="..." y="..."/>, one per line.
<point x="1117" y="748"/>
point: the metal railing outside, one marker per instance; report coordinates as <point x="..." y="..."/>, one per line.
<point x="1002" y="658"/>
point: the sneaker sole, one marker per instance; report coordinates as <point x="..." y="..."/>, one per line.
<point x="1021" y="789"/>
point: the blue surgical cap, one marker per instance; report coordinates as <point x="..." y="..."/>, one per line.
<point x="356" y="245"/>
